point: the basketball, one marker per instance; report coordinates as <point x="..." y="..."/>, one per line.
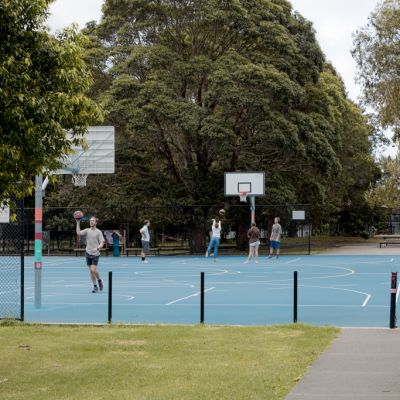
<point x="222" y="212"/>
<point x="78" y="214"/>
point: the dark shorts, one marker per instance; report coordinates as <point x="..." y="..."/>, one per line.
<point x="274" y="244"/>
<point x="91" y="260"/>
<point x="145" y="246"/>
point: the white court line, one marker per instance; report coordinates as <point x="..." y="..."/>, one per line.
<point x="293" y="261"/>
<point x="366" y="301"/>
<point x="368" y="295"/>
<point x="187" y="297"/>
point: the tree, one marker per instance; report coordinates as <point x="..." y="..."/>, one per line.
<point x="377" y="53"/>
<point x="199" y="87"/>
<point x="386" y="193"/>
<point x="43" y="80"/>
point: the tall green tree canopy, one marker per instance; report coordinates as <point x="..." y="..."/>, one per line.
<point x="377" y="53"/>
<point x="43" y="80"/>
<point x="199" y="87"/>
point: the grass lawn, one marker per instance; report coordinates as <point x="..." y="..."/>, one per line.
<point x="155" y="362"/>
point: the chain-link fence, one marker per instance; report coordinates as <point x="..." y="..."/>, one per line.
<point x="12" y="262"/>
<point x="177" y="229"/>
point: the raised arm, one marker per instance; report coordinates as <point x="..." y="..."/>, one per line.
<point x="78" y="227"/>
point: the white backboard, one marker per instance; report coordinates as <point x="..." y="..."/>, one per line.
<point x="98" y="156"/>
<point x="251" y="182"/>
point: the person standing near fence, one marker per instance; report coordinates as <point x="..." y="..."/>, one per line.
<point x="215" y="237"/>
<point x="254" y="242"/>
<point x="94" y="242"/>
<point x="144" y="231"/>
<point x="275" y="238"/>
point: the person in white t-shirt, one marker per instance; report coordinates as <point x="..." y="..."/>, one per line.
<point x="144" y="231"/>
<point x="215" y="237"/>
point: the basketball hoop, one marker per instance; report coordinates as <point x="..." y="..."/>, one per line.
<point x="243" y="196"/>
<point x="79" y="180"/>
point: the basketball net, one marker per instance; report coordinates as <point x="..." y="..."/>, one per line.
<point x="243" y="196"/>
<point x="79" y="180"/>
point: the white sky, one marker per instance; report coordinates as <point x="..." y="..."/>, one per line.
<point x="334" y="21"/>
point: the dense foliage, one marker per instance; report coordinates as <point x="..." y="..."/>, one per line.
<point x="199" y="87"/>
<point x="43" y="80"/>
<point x="376" y="50"/>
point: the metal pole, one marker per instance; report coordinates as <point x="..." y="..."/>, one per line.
<point x="22" y="221"/>
<point x="252" y="209"/>
<point x="38" y="240"/>
<point x="295" y="297"/>
<point x="109" y="297"/>
<point x="393" y="292"/>
<point x="202" y="298"/>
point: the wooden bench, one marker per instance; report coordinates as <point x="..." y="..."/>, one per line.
<point x="174" y="250"/>
<point x="388" y="239"/>
<point x="136" y="250"/>
<point x="386" y="242"/>
<point x="82" y="250"/>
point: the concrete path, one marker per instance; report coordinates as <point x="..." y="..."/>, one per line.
<point x="360" y="364"/>
<point x="363" y="249"/>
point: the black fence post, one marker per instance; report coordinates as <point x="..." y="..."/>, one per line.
<point x="202" y="298"/>
<point x="22" y="255"/>
<point x="295" y="297"/>
<point x="393" y="293"/>
<point x="109" y="297"/>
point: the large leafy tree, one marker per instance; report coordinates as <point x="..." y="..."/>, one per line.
<point x="43" y="80"/>
<point x="199" y="87"/>
<point x="377" y="53"/>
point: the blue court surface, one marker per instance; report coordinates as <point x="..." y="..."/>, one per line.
<point x="332" y="290"/>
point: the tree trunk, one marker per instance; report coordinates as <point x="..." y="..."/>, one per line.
<point x="197" y="240"/>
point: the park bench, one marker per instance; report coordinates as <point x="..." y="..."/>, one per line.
<point x="388" y="239"/>
<point x="82" y="251"/>
<point x="174" y="250"/>
<point x="386" y="242"/>
<point x="137" y="250"/>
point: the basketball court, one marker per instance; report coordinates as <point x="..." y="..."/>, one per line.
<point x="352" y="291"/>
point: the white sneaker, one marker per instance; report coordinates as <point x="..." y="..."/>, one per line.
<point x="246" y="262"/>
<point x="206" y="253"/>
<point x="145" y="262"/>
<point x="256" y="261"/>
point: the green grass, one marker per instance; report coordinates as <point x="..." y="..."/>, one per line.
<point x="155" y="362"/>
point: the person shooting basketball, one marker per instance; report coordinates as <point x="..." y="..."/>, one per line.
<point x="94" y="242"/>
<point x="215" y="237"/>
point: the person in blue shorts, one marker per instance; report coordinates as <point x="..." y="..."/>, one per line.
<point x="275" y="238"/>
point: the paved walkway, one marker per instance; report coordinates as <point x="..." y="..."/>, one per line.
<point x="360" y="364"/>
<point x="363" y="249"/>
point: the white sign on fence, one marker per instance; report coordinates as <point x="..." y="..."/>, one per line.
<point x="4" y="215"/>
<point x="299" y="215"/>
